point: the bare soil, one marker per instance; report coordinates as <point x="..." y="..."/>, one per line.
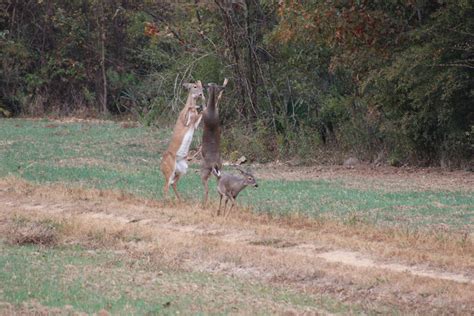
<point x="372" y="267"/>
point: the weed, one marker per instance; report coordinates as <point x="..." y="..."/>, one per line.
<point x="22" y="231"/>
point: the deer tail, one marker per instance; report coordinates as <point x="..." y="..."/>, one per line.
<point x="216" y="172"/>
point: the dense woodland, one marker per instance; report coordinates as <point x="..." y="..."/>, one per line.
<point x="386" y="81"/>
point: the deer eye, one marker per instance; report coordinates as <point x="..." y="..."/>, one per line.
<point x="195" y="86"/>
<point x="250" y="179"/>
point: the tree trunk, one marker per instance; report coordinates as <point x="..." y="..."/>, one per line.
<point x="104" y="75"/>
<point x="101" y="22"/>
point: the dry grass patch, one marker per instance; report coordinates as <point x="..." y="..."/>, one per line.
<point x="35" y="308"/>
<point x="100" y="233"/>
<point x="435" y="248"/>
<point x="285" y="251"/>
<point x="64" y="229"/>
<point x="389" y="242"/>
<point x="22" y="231"/>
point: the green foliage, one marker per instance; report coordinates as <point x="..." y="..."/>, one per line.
<point x="358" y="77"/>
<point x="255" y="142"/>
<point x="410" y="68"/>
<point x="426" y="93"/>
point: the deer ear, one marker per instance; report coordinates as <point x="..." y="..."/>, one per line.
<point x="187" y="85"/>
<point x="225" y="82"/>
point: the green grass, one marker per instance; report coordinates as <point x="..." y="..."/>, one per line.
<point x="93" y="280"/>
<point x="332" y="198"/>
<point x="106" y="155"/>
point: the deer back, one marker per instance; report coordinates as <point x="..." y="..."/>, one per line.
<point x="212" y="131"/>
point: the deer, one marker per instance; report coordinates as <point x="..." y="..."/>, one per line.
<point x="210" y="146"/>
<point x="173" y="164"/>
<point x="229" y="186"/>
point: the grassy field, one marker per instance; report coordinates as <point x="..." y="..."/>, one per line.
<point x="364" y="245"/>
<point x="122" y="156"/>
<point x="80" y="280"/>
<point x="65" y="250"/>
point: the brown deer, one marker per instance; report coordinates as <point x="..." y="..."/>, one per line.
<point x="229" y="186"/>
<point x="211" y="136"/>
<point x="173" y="164"/>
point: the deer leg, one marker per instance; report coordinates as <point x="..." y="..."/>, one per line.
<point x="205" y="173"/>
<point x="225" y="205"/>
<point x="168" y="167"/>
<point x="175" y="188"/>
<point x="166" y="189"/>
<point x="232" y="200"/>
<point x="220" y="202"/>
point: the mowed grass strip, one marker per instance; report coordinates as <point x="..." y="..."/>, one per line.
<point x="93" y="280"/>
<point x="114" y="156"/>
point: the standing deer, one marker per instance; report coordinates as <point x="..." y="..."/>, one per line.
<point x="173" y="164"/>
<point x="211" y="136"/>
<point x="229" y="186"/>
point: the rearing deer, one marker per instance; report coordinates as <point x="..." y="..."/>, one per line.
<point x="173" y="164"/>
<point x="211" y="136"/>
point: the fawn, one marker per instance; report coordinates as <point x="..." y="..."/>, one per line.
<point x="229" y="186"/>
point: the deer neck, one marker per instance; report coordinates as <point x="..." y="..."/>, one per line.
<point x="239" y="186"/>
<point x="190" y="102"/>
<point x="211" y="106"/>
<point x="242" y="184"/>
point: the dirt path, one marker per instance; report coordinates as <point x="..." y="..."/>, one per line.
<point x="361" y="261"/>
<point x="360" y="265"/>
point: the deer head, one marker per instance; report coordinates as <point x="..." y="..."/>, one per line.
<point x="249" y="179"/>
<point x="195" y="92"/>
<point x="215" y="92"/>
